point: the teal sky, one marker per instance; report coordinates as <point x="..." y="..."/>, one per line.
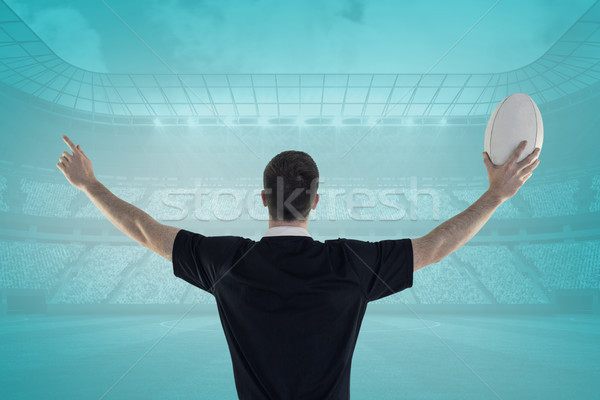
<point x="260" y="36"/>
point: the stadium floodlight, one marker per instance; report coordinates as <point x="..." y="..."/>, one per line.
<point x="156" y="121"/>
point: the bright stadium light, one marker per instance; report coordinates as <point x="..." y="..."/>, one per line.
<point x="156" y="121"/>
<point x="337" y="121"/>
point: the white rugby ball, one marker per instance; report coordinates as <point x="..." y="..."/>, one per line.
<point x="515" y="119"/>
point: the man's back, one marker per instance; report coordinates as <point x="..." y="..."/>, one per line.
<point x="291" y="307"/>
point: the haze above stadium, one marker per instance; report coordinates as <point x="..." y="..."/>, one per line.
<point x="267" y="36"/>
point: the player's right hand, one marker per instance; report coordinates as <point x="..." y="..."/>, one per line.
<point x="76" y="167"/>
<point x="506" y="179"/>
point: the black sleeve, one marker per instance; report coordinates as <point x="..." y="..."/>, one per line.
<point x="383" y="268"/>
<point x="200" y="260"/>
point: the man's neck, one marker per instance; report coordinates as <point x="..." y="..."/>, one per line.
<point x="301" y="224"/>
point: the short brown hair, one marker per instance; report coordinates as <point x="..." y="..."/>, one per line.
<point x="291" y="180"/>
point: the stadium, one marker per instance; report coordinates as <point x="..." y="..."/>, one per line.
<point x="190" y="149"/>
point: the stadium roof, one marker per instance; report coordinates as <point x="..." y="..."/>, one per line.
<point x="28" y="65"/>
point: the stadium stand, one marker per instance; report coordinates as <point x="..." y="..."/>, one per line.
<point x="3" y="187"/>
<point x="47" y="199"/>
<point x="567" y="265"/>
<point x="496" y="267"/>
<point x="98" y="274"/>
<point x="595" y="203"/>
<point x="446" y="283"/>
<point x="151" y="282"/>
<point x="132" y="275"/>
<point x="551" y="199"/>
<point x="31" y="265"/>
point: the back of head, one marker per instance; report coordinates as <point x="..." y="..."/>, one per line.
<point x="291" y="180"/>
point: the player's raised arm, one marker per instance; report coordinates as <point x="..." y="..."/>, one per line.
<point x="130" y="220"/>
<point x="505" y="180"/>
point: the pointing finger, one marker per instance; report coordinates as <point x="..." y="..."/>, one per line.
<point x="69" y="143"/>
